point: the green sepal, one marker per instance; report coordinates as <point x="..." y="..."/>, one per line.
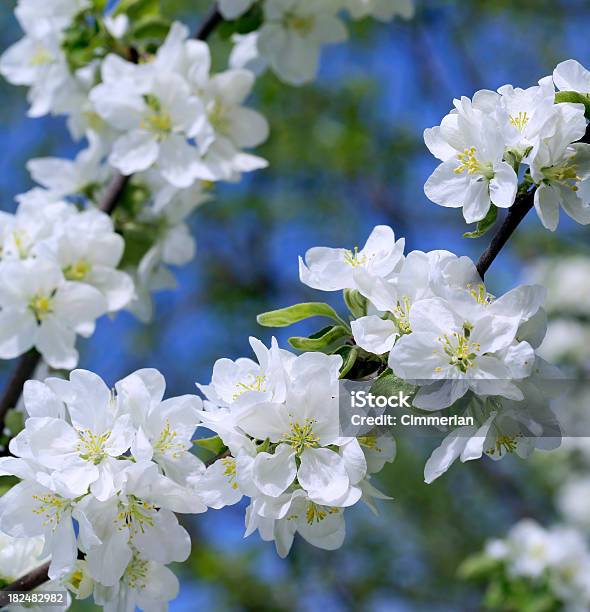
<point x="214" y="444"/>
<point x="326" y="343"/>
<point x="388" y="384"/>
<point x="298" y="312"/>
<point x="485" y="224"/>
<point x="349" y="355"/>
<point x="477" y="566"/>
<point x="355" y="302"/>
<point x="576" y="98"/>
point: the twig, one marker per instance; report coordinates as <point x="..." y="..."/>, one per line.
<point x="28" y="582"/>
<point x="212" y="19"/>
<point x="516" y="213"/>
<point x="25" y="368"/>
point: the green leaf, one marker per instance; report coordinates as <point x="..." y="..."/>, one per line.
<point x="356" y="303"/>
<point x="298" y="312"/>
<point x="151" y="27"/>
<point x="326" y="343"/>
<point x="576" y="98"/>
<point x="485" y="224"/>
<point x="214" y="444"/>
<point x="477" y="566"/>
<point x="349" y="355"/>
<point x="14" y="421"/>
<point x="249" y="22"/>
<point x="136" y="9"/>
<point x="388" y="385"/>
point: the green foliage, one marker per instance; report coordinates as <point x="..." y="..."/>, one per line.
<point x="389" y="385"/>
<point x="576" y="98"/>
<point x="349" y="355"/>
<point x="15" y="421"/>
<point x="250" y="21"/>
<point x="298" y="312"/>
<point x="356" y="303"/>
<point x="214" y="445"/>
<point x="138" y="9"/>
<point x="84" y="41"/>
<point x="151" y="28"/>
<point x="485" y="224"/>
<point x="326" y="341"/>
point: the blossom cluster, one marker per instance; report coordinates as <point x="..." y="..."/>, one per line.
<point x="488" y="143"/>
<point x="279" y="419"/>
<point x="117" y="464"/>
<point x="430" y="318"/>
<point x="53" y="285"/>
<point x="290" y="33"/>
<point x="546" y="564"/>
<point x="157" y="113"/>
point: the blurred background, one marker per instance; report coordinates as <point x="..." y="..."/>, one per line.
<point x="345" y="153"/>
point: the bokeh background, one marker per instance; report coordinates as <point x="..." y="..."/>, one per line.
<point x="345" y="154"/>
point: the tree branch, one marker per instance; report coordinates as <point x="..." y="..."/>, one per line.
<point x="516" y="213"/>
<point x="28" y="582"/>
<point x="212" y="19"/>
<point x="25" y="368"/>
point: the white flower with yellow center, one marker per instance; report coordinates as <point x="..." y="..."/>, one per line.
<point x="294" y="512"/>
<point x="31" y="510"/>
<point x="85" y="453"/>
<point x="462" y="344"/>
<point x="329" y="269"/>
<point x="561" y="170"/>
<point x="138" y="519"/>
<point x="301" y="433"/>
<point x="155" y="114"/>
<point x="473" y="174"/>
<point x="165" y="428"/>
<point x="41" y="309"/>
<point x="145" y="585"/>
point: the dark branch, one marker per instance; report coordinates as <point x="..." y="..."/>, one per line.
<point x="212" y="19"/>
<point x="28" y="582"/>
<point x="113" y="193"/>
<point x="25" y="369"/>
<point x="516" y="213"/>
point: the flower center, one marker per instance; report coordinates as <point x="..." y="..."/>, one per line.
<point x="520" y="121"/>
<point x="41" y="305"/>
<point x="136" y="573"/>
<point x="218" y="117"/>
<point x="316" y="514"/>
<point x="256" y="385"/>
<point x="135" y="515"/>
<point x="51" y="507"/>
<point x="480" y="294"/>
<point x="229" y="463"/>
<point x="91" y="445"/>
<point x="459" y="349"/>
<point x="77" y="271"/>
<point x="504" y="444"/>
<point x="166" y="442"/>
<point x="401" y="314"/>
<point x="369" y="442"/>
<point x="469" y="163"/>
<point x="354" y="258"/>
<point x="566" y="174"/>
<point x="157" y="120"/>
<point x="40" y="57"/>
<point x="301" y="436"/>
<point x="301" y="24"/>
